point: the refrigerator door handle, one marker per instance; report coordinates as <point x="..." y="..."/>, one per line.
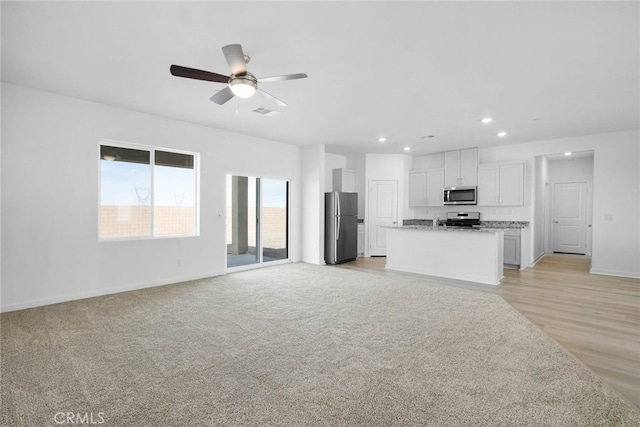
<point x="338" y="228"/>
<point x="337" y="195"/>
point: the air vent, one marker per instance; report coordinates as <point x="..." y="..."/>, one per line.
<point x="266" y="111"/>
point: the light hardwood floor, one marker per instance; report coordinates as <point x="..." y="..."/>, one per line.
<point x="595" y="318"/>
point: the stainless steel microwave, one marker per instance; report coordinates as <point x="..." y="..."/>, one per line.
<point x="460" y="196"/>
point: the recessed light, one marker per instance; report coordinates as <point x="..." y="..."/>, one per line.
<point x="501" y="134"/>
<point x="487" y="120"/>
<point x="568" y="153"/>
<point x="407" y="148"/>
<point x="382" y="139"/>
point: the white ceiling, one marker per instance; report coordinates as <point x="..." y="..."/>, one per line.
<point x="400" y="70"/>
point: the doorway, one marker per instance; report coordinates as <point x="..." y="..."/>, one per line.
<point x="383" y="212"/>
<point x="257" y="229"/>
<point x="570" y="217"/>
<point x="564" y="203"/>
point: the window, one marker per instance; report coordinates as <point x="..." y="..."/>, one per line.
<point x="257" y="220"/>
<point x="147" y="192"/>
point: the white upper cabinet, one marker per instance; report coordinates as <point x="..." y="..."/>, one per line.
<point x="435" y="182"/>
<point x="417" y="188"/>
<point x="461" y="168"/>
<point x="344" y="180"/>
<point x="488" y="185"/>
<point x="501" y="184"/>
<point x="512" y="184"/>
<point x="425" y="187"/>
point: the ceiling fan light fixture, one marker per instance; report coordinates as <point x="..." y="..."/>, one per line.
<point x="243" y="86"/>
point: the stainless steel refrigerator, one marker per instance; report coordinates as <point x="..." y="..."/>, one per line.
<point x="340" y="227"/>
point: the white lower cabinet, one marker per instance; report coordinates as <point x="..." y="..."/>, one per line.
<point x="512" y="248"/>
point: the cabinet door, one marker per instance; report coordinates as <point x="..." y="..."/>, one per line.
<point x="348" y="181"/>
<point x="512" y="250"/>
<point x="344" y="180"/>
<point x="452" y="168"/>
<point x="418" y="188"/>
<point x="469" y="167"/>
<point x="512" y="184"/>
<point x="488" y="185"/>
<point x="435" y="182"/>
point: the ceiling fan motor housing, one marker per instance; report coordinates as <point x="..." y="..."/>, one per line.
<point x="244" y="85"/>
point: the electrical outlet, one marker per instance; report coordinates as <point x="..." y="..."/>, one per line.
<point x="608" y="217"/>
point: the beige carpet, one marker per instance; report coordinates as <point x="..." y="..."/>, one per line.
<point x="295" y="345"/>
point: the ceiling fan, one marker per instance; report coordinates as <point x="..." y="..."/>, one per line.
<point x="240" y="83"/>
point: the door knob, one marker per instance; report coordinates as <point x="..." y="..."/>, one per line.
<point x="555" y="222"/>
<point x="394" y="222"/>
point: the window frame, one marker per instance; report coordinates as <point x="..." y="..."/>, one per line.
<point x="151" y="149"/>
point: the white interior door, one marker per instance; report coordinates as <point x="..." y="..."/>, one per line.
<point x="570" y="217"/>
<point x="383" y="212"/>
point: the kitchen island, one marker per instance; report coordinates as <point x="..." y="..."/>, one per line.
<point x="471" y="254"/>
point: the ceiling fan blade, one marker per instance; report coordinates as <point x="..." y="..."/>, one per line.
<point x="192" y="73"/>
<point x="235" y="58"/>
<point x="284" y="77"/>
<point x="222" y="96"/>
<point x="272" y="98"/>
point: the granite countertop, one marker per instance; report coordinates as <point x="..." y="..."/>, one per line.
<point x="503" y="225"/>
<point x="445" y="228"/>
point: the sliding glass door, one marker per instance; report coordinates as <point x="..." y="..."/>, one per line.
<point x="275" y="219"/>
<point x="257" y="220"/>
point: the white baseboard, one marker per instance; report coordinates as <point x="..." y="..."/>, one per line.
<point x="604" y="272"/>
<point x="98" y="293"/>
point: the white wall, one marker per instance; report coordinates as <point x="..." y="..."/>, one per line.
<point x="616" y="178"/>
<point x="540" y="203"/>
<point x="313" y="179"/>
<point x="50" y="248"/>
